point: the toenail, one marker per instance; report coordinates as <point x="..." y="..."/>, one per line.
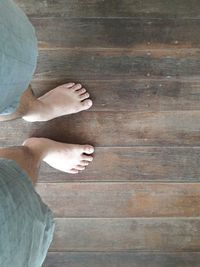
<point x="81" y="91"/>
<point x="88" y="102"/>
<point x="84" y="96"/>
<point x="90" y="149"/>
<point x="69" y="85"/>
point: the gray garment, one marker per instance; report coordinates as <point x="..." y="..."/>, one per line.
<point x="26" y="223"/>
<point x="18" y="55"/>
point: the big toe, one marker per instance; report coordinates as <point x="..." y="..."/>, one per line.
<point x="88" y="149"/>
<point x="86" y="104"/>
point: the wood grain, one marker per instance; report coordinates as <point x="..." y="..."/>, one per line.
<point x="121" y="200"/>
<point x="122" y="259"/>
<point x="140" y="61"/>
<point x="112" y="8"/>
<point x="160" y="234"/>
<point x="120" y="65"/>
<point x="117" y="33"/>
<point x="167" y="164"/>
<point x="135" y="95"/>
<point x="123" y="128"/>
<point x="112" y="129"/>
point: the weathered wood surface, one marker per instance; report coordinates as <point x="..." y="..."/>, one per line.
<point x="122" y="259"/>
<point x="135" y="95"/>
<point x="121" y="200"/>
<point x="111" y="8"/>
<point x="167" y="164"/>
<point x="117" y="33"/>
<point x="119" y="64"/>
<point x="160" y="234"/>
<point x="140" y="61"/>
<point x="125" y="128"/>
<point x="112" y="129"/>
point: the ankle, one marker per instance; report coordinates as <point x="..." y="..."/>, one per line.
<point x="24" y="157"/>
<point x="33" y="144"/>
<point x="34" y="111"/>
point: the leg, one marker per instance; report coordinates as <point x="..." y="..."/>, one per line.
<point x="63" y="100"/>
<point x="26" y="102"/>
<point x="25" y="158"/>
<point x="26" y="221"/>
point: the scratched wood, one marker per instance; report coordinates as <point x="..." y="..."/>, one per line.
<point x="160" y="234"/>
<point x="117" y="33"/>
<point x="112" y="129"/>
<point x="112" y="8"/>
<point x="135" y="95"/>
<point x="168" y="164"/>
<point x="121" y="200"/>
<point x="119" y="64"/>
<point x="124" y="128"/>
<point x="122" y="259"/>
<point x="140" y="61"/>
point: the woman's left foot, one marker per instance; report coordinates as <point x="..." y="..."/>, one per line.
<point x="68" y="158"/>
<point x="63" y="100"/>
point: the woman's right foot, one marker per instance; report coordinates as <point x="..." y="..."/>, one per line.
<point x="68" y="158"/>
<point x="63" y="100"/>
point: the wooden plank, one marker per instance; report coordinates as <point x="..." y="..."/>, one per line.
<point x="123" y="128"/>
<point x="112" y="8"/>
<point x="121" y="200"/>
<point x="118" y="64"/>
<point x="135" y="95"/>
<point x="161" y="234"/>
<point x="135" y="164"/>
<point x="117" y="33"/>
<point x="112" y="129"/>
<point x="122" y="259"/>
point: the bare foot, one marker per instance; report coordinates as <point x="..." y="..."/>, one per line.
<point x="64" y="157"/>
<point x="63" y="100"/>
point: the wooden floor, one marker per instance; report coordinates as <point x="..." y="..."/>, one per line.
<point x="138" y="204"/>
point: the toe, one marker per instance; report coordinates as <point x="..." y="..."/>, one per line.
<point x="76" y="87"/>
<point x="81" y="91"/>
<point x="86" y="104"/>
<point x="87" y="158"/>
<point x="80" y="168"/>
<point x="84" y="96"/>
<point x="69" y="85"/>
<point x="84" y="163"/>
<point x="88" y="149"/>
<point x="73" y="171"/>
